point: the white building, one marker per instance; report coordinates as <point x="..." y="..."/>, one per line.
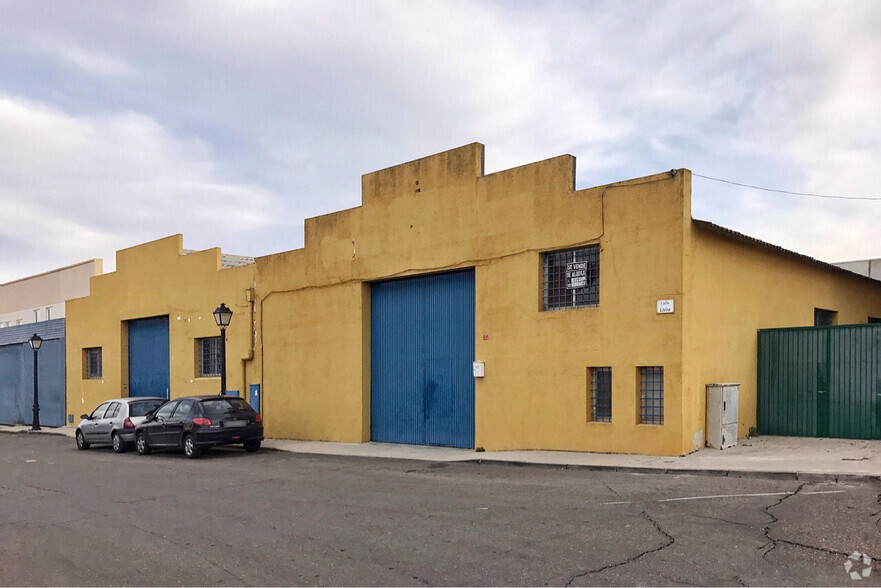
<point x="867" y="267"/>
<point x="41" y="297"/>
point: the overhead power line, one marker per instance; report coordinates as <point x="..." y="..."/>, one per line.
<point x="785" y="191"/>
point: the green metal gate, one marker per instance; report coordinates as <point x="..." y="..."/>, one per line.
<point x="820" y="381"/>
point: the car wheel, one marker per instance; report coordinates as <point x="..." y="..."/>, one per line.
<point x="81" y="442"/>
<point x="191" y="450"/>
<point x="141" y="444"/>
<point x="251" y="446"/>
<point x="119" y="446"/>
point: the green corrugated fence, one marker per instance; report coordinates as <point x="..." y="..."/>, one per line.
<point x="820" y="381"/>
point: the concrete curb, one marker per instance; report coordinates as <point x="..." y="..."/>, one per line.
<point x="709" y="470"/>
<point x="47" y="431"/>
<point x="723" y="473"/>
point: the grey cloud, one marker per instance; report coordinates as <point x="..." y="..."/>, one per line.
<point x="278" y="108"/>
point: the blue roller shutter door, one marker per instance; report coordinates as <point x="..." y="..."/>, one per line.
<point x="12" y="368"/>
<point x="17" y="381"/>
<point x="148" y="357"/>
<point x="422" y="348"/>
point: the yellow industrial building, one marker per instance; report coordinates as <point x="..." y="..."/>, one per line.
<point x="502" y="311"/>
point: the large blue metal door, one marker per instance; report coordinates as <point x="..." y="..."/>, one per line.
<point x="13" y="368"/>
<point x="17" y="374"/>
<point x="422" y="349"/>
<point x="148" y="357"/>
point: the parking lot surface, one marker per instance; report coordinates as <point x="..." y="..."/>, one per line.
<point x="70" y="517"/>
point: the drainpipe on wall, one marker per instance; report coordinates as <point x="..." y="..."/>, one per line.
<point x="249" y="297"/>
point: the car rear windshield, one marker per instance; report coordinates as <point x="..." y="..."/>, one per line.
<point x="217" y="407"/>
<point x="142" y="407"/>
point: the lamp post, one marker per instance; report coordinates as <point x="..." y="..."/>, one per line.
<point x="222" y="316"/>
<point x="35" y="343"/>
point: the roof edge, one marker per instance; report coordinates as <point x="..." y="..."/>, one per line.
<point x="759" y="244"/>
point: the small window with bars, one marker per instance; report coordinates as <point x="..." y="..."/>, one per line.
<point x="209" y="357"/>
<point x="572" y="278"/>
<point x="825" y="318"/>
<point x="92" y="369"/>
<point x="599" y="402"/>
<point x="651" y="389"/>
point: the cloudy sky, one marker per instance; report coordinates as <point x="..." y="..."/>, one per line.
<point x="231" y="122"/>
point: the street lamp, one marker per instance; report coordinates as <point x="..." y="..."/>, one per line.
<point x="222" y="316"/>
<point x="35" y="343"/>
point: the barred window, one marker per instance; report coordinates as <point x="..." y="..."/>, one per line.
<point x="599" y="407"/>
<point x="652" y="393"/>
<point x="92" y="369"/>
<point x="824" y="318"/>
<point x="209" y="357"/>
<point x="572" y="278"/>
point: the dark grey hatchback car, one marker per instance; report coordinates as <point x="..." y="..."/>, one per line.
<point x="193" y="423"/>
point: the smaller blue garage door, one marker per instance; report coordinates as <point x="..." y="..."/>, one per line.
<point x="148" y="373"/>
<point x="17" y="376"/>
<point x="422" y="349"/>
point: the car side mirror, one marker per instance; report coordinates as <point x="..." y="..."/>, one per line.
<point x="85" y="417"/>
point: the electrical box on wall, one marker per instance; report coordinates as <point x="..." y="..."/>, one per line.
<point x="722" y="415"/>
<point x="478" y="369"/>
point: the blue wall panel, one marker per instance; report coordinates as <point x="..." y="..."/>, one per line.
<point x="17" y="383"/>
<point x="148" y="371"/>
<point x="51" y="384"/>
<point x="11" y="387"/>
<point x="254" y="396"/>
<point x="422" y="348"/>
<point x="396" y="375"/>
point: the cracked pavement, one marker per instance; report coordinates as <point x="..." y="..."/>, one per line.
<point x="71" y="517"/>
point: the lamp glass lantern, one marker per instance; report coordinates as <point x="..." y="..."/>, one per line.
<point x="222" y="315"/>
<point x="35" y="342"/>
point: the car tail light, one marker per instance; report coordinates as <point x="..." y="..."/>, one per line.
<point x="128" y="424"/>
<point x="202" y="422"/>
<point x="258" y="419"/>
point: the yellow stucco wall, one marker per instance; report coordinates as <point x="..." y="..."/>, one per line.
<point x="442" y="213"/>
<point x="157" y="279"/>
<point x="313" y="380"/>
<point x="734" y="290"/>
<point x="301" y="327"/>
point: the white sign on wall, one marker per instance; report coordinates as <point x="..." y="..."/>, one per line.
<point x="665" y="307"/>
<point x="576" y="275"/>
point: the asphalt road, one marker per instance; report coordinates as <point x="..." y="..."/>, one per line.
<point x="71" y="517"/>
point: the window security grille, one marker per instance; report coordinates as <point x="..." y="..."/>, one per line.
<point x="572" y="278"/>
<point x="209" y="357"/>
<point x="652" y="392"/>
<point x="823" y="317"/>
<point x="93" y="363"/>
<point x="601" y="395"/>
